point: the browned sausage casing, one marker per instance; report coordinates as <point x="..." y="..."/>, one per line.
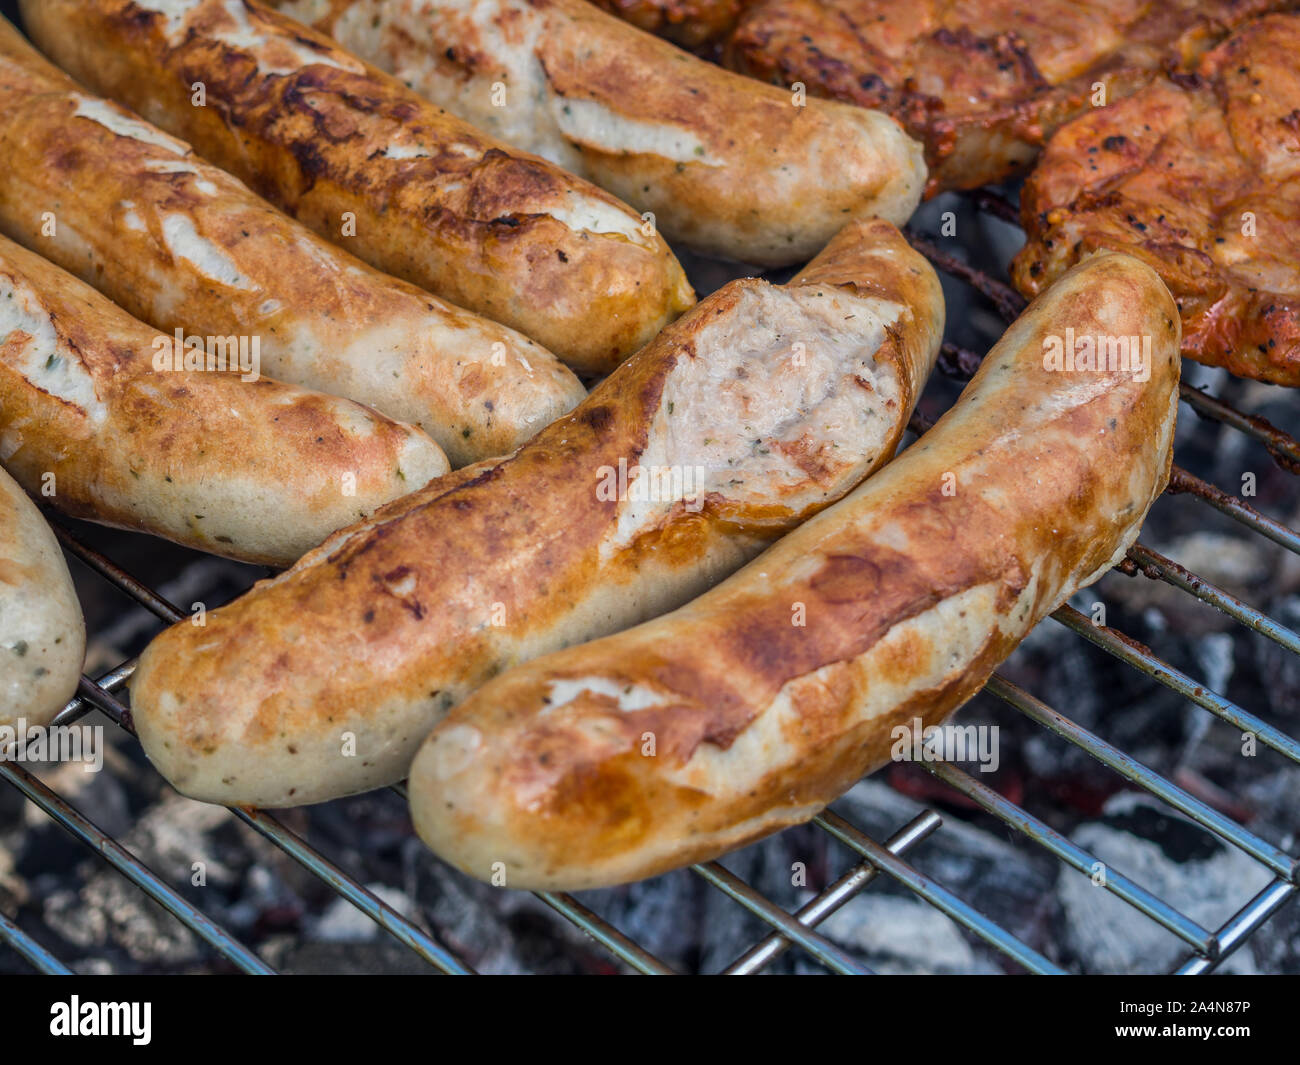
<point x="42" y="634"/>
<point x="364" y="161"/>
<point x="755" y="410"/>
<point x="728" y="167"/>
<point x="178" y="242"/>
<point x="757" y="704"/>
<point x="691" y="23"/>
<point x="97" y="417"/>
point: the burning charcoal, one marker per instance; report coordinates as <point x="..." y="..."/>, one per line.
<point x="1009" y="884"/>
<point x="1278" y="951"/>
<point x="110" y="913"/>
<point x="770" y="868"/>
<point x="264" y="902"/>
<point x="659" y="914"/>
<point x="1177" y="860"/>
<point x="1279" y="669"/>
<point x="904" y="936"/>
<point x="13" y="888"/>
<point x="100" y="795"/>
<point x="344" y="923"/>
<point x="65" y="913"/>
<point x="176" y="835"/>
<point x="495" y="930"/>
<point x="382" y="956"/>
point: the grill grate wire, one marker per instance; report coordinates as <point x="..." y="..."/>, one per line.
<point x="1208" y="947"/>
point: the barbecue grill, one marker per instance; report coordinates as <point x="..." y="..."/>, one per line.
<point x="870" y="859"/>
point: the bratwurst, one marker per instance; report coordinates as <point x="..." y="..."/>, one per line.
<point x="727" y="166"/>
<point x="755" y="410"/>
<point x="364" y="161"/>
<point x="42" y="634"/>
<point x="112" y="421"/>
<point x="754" y="706"/>
<point x="179" y="243"/>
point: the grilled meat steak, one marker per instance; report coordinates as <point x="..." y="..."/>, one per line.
<point x="983" y="83"/>
<point x="690" y="23"/>
<point x="1198" y="176"/>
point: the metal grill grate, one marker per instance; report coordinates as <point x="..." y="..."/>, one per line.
<point x="1207" y="947"/>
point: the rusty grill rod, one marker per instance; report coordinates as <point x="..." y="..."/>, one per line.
<point x="1181" y="481"/>
<point x="990" y="202"/>
<point x="113" y="573"/>
<point x="1006" y="299"/>
<point x="1155" y="566"/>
<point x="1284" y="449"/>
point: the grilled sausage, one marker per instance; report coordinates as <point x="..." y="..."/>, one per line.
<point x="179" y="243"/>
<point x="728" y="166"/>
<point x="753" y="411"/>
<point x="364" y="161"/>
<point x="757" y="704"/>
<point x="42" y="635"/>
<point x="96" y="417"/>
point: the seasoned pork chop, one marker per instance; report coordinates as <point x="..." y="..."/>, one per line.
<point x="690" y="23"/>
<point x="1199" y="176"/>
<point x="982" y="83"/>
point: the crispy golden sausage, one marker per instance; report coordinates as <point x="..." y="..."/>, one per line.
<point x="42" y="635"/>
<point x="728" y="166"/>
<point x="100" y="415"/>
<point x="758" y="408"/>
<point x="365" y="162"/>
<point x="178" y="242"/>
<point x="757" y="704"/>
